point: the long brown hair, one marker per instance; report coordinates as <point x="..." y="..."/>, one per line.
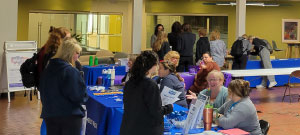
<point x="161" y="38"/>
<point x="56" y="36"/>
<point x="172" y="68"/>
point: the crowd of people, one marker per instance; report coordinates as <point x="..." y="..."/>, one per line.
<point x="63" y="91"/>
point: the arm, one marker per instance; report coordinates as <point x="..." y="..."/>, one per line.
<point x="152" y="100"/>
<point x="73" y="86"/>
<point x="167" y="47"/>
<point x="232" y="119"/>
<point x="224" y="49"/>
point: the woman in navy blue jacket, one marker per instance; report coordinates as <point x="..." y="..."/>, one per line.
<point x="63" y="91"/>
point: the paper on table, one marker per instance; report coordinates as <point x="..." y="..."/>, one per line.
<point x="169" y="96"/>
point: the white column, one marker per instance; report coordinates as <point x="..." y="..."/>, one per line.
<point x="137" y="26"/>
<point x="8" y="31"/>
<point x="240" y="18"/>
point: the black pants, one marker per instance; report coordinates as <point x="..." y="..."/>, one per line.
<point x="69" y="125"/>
<point x="184" y="63"/>
<point x="240" y="63"/>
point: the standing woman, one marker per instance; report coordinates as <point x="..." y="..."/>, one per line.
<point x="202" y="45"/>
<point x="63" y="91"/>
<point x="217" y="48"/>
<point x="143" y="110"/>
<point x="56" y="36"/>
<point x="239" y="112"/>
<point x="174" y="36"/>
<point x="185" y="48"/>
<point x="161" y="45"/>
<point x="158" y="28"/>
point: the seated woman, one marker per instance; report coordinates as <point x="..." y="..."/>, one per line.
<point x="171" y="79"/>
<point x="216" y="91"/>
<point x="207" y="65"/>
<point x="239" y="112"/>
<point x="129" y="64"/>
<point x="143" y="110"/>
<point x="173" y="57"/>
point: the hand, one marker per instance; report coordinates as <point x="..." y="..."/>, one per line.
<point x="203" y="66"/>
<point x="191" y="96"/>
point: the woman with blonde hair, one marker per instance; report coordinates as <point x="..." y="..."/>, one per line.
<point x="217" y="48"/>
<point x="216" y="91"/>
<point x="161" y="45"/>
<point x="173" y="57"/>
<point x="63" y="91"/>
<point x="239" y="112"/>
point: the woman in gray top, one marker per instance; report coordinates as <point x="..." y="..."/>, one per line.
<point x="239" y="112"/>
<point x="171" y="79"/>
<point x="216" y="91"/>
<point x="217" y="48"/>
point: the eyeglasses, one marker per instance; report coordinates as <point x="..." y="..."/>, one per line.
<point x="213" y="80"/>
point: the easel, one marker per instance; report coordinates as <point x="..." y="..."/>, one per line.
<point x="289" y="51"/>
<point x="16" y="52"/>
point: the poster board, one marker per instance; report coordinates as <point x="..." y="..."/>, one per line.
<point x="15" y="53"/>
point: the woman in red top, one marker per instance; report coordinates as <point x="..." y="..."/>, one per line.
<point x="206" y="66"/>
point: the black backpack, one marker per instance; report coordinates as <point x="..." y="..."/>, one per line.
<point x="29" y="72"/>
<point x="237" y="48"/>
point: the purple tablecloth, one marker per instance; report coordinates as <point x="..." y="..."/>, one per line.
<point x="188" y="79"/>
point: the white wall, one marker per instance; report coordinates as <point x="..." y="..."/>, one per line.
<point x="8" y="26"/>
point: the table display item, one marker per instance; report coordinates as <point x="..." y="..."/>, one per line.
<point x="96" y="61"/>
<point x="208" y="116"/>
<point x="91" y="61"/>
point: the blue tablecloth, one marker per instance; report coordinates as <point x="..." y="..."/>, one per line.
<point x="91" y="74"/>
<point x="100" y="113"/>
<point x="277" y="63"/>
<point x="104" y="116"/>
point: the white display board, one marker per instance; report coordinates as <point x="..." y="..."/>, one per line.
<point x="16" y="52"/>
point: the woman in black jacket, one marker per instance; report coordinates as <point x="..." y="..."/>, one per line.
<point x="143" y="110"/>
<point x="202" y="45"/>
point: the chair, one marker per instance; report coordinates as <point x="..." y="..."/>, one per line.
<point x="264" y="126"/>
<point x="289" y="85"/>
<point x="275" y="46"/>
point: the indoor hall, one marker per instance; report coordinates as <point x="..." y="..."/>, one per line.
<point x="118" y="28"/>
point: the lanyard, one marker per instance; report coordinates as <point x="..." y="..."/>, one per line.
<point x="234" y="104"/>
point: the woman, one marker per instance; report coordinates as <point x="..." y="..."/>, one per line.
<point x="158" y="28"/>
<point x="129" y="64"/>
<point x="207" y="66"/>
<point x="174" y="36"/>
<point x="260" y="48"/>
<point x="217" y="48"/>
<point x="202" y="45"/>
<point x="216" y="91"/>
<point x="239" y="112"/>
<point x="185" y="48"/>
<point x="63" y="91"/>
<point x="56" y="36"/>
<point x="161" y="45"/>
<point x="172" y="56"/>
<point x="171" y="79"/>
<point x="143" y="110"/>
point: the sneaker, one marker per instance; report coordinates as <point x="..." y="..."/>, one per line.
<point x="260" y="86"/>
<point x="272" y="84"/>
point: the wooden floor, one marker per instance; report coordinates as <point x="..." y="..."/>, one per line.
<point x="21" y="116"/>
